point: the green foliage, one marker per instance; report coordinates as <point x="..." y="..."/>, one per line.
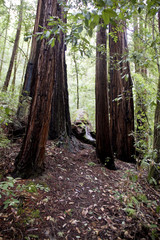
<point x="91" y="164"/>
<point x="33" y="188"/>
<point x="8" y="108"/>
<point x="7" y="190"/>
<point x="11" y="190"/>
<point x="134" y="198"/>
<point x="31" y="236"/>
<point x="86" y="73"/>
<point x="35" y="214"/>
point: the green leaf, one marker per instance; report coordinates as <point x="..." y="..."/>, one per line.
<point x="7" y="110"/>
<point x="100" y="3"/>
<point x="52" y="42"/>
<point x="107" y="14"/>
<point x="47" y="34"/>
<point x="133" y="178"/>
<point x="153" y="226"/>
<point x="131" y="212"/>
<point x="96" y="19"/>
<point x="80" y="29"/>
<point x="86" y="22"/>
<point x="90" y="32"/>
<point x="105" y="17"/>
<point x="158" y="209"/>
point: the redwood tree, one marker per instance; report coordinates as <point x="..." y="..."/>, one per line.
<point x="60" y="125"/>
<point x="103" y="143"/>
<point x="26" y="90"/>
<point x="121" y="97"/>
<point x="30" y="160"/>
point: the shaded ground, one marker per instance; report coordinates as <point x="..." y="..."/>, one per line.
<point x="86" y="201"/>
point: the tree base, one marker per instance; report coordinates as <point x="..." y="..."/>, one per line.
<point x="28" y="172"/>
<point x="108" y="163"/>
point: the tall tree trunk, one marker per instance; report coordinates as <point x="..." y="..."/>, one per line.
<point x="5" y="39"/>
<point x="60" y="125"/>
<point x="77" y="77"/>
<point x="103" y="143"/>
<point x="30" y="160"/>
<point x="121" y="109"/>
<point x="25" y="63"/>
<point x="15" y="47"/>
<point x="28" y="76"/>
<point x="26" y="90"/>
<point x="14" y="75"/>
<point x="16" y="64"/>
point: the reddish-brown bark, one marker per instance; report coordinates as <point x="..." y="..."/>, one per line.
<point x="30" y="160"/>
<point x="28" y="76"/>
<point x="103" y="143"/>
<point x="26" y="89"/>
<point x="121" y="98"/>
<point x="60" y="125"/>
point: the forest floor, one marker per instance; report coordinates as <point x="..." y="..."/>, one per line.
<point x="85" y="201"/>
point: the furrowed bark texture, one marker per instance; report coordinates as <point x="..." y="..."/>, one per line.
<point x="28" y="76"/>
<point x="121" y="98"/>
<point x="60" y="125"/>
<point x="26" y="90"/>
<point x="30" y="160"/>
<point x="103" y="144"/>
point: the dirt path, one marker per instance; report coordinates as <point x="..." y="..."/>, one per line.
<point x="85" y="201"/>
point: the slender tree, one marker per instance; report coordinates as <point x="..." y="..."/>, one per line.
<point x="121" y="109"/>
<point x="103" y="143"/>
<point x="26" y="62"/>
<point x="30" y="160"/>
<point x="15" y="47"/>
<point x="77" y="77"/>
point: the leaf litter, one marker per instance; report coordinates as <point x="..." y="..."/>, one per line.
<point x="85" y="201"/>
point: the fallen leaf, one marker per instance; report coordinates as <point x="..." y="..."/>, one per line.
<point x="113" y="228"/>
<point x="74" y="221"/>
<point x="102" y="209"/>
<point x="78" y="230"/>
<point x="104" y="227"/>
<point x="84" y="212"/>
<point x="94" y="224"/>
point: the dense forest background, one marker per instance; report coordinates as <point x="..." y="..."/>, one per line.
<point x="79" y="119"/>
